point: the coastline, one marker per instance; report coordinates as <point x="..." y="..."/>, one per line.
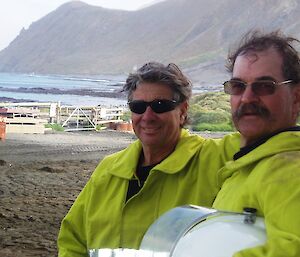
<point x="14" y="100"/>
<point x="68" y="90"/>
<point x="56" y="91"/>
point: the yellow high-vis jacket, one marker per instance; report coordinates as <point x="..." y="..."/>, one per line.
<point x="101" y="218"/>
<point x="267" y="179"/>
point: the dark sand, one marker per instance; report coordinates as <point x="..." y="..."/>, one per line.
<point x="40" y="177"/>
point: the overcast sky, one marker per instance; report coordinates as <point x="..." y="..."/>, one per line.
<point x="16" y="14"/>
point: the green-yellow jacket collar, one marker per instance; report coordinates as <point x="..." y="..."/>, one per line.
<point x="126" y="162"/>
<point x="283" y="142"/>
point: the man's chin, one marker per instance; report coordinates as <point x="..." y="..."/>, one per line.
<point x="253" y="132"/>
<point x="150" y="135"/>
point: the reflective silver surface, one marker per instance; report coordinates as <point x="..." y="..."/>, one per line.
<point x="122" y="252"/>
<point x="193" y="231"/>
<point x="164" y="233"/>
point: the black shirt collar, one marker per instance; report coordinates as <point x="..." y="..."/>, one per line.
<point x="246" y="149"/>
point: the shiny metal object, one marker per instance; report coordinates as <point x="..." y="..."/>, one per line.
<point x="193" y="231"/>
<point x="123" y="252"/>
<point x="196" y="231"/>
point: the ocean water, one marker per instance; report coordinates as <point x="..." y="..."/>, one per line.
<point x="30" y="81"/>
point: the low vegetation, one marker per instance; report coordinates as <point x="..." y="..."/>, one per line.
<point x="55" y="126"/>
<point x="210" y="112"/>
<point x="126" y="115"/>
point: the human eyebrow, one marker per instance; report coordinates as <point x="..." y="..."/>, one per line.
<point x="236" y="78"/>
<point x="265" y="78"/>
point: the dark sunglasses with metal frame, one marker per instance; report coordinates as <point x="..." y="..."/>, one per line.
<point x="157" y="105"/>
<point x="260" y="87"/>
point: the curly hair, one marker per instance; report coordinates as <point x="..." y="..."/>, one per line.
<point x="257" y="41"/>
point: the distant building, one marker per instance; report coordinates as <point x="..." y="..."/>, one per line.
<point x="22" y="120"/>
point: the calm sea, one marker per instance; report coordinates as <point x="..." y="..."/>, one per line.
<point x="30" y="81"/>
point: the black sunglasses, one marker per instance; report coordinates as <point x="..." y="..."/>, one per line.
<point x="260" y="87"/>
<point x="158" y="105"/>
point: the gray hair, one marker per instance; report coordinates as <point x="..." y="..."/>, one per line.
<point x="154" y="72"/>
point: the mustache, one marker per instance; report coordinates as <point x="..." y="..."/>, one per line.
<point x="252" y="108"/>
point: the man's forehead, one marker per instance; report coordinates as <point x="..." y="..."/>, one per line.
<point x="255" y="64"/>
<point x="253" y="56"/>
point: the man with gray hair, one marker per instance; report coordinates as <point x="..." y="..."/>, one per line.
<point x="166" y="167"/>
<point x="265" y="174"/>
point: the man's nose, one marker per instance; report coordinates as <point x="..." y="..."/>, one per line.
<point x="149" y="113"/>
<point x="248" y="95"/>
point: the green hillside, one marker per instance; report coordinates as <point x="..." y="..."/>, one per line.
<point x="211" y="112"/>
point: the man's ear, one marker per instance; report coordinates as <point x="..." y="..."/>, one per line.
<point x="185" y="106"/>
<point x="183" y="112"/>
<point x="296" y="91"/>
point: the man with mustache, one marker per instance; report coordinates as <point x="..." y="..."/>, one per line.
<point x="265" y="174"/>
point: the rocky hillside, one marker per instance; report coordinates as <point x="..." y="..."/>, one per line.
<point x="78" y="38"/>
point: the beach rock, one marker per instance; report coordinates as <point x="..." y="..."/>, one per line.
<point x="2" y="162"/>
<point x="47" y="169"/>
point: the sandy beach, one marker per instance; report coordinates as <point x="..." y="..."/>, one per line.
<point x="40" y="177"/>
